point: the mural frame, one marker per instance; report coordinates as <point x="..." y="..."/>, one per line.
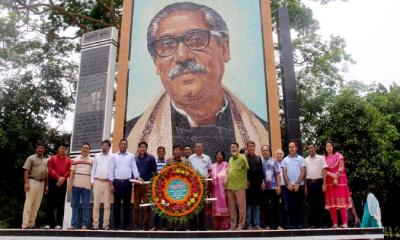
<point x="269" y="68"/>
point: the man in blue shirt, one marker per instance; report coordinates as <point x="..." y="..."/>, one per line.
<point x="147" y="167"/>
<point x="272" y="189"/>
<point x="294" y="171"/>
<point x="122" y="169"/>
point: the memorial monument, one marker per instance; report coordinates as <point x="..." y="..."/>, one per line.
<point x="201" y="70"/>
<point x="95" y="89"/>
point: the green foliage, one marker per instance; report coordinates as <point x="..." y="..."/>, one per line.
<point x="388" y="104"/>
<point x="22" y="109"/>
<point x="84" y="14"/>
<point x="38" y="80"/>
<point x="35" y="81"/>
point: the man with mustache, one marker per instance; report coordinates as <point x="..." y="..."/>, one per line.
<point x="189" y="44"/>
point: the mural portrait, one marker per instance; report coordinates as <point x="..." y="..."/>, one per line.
<point x="196" y="74"/>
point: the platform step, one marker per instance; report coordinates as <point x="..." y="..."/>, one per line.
<point x="309" y="234"/>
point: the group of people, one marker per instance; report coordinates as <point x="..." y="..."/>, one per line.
<point x="250" y="191"/>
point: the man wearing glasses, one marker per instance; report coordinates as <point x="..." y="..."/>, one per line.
<point x="189" y="44"/>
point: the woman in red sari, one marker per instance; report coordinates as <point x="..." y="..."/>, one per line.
<point x="337" y="194"/>
<point x="220" y="211"/>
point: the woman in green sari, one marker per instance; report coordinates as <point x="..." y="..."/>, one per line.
<point x="372" y="213"/>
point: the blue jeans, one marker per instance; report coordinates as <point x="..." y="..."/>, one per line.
<point x="256" y="215"/>
<point x="79" y="193"/>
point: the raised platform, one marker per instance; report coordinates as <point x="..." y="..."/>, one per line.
<point x="309" y="234"/>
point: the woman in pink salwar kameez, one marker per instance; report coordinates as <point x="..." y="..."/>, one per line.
<point x="337" y="194"/>
<point x="220" y="212"/>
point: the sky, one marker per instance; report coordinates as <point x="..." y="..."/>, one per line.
<point x="372" y="33"/>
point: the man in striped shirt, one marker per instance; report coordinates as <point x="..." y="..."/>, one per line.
<point x="80" y="186"/>
<point x="161" y="163"/>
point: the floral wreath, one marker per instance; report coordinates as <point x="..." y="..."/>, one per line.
<point x="178" y="193"/>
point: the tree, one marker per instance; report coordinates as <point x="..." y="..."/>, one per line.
<point x="387" y="101"/>
<point x="21" y="126"/>
<point x="86" y="15"/>
<point x="36" y="83"/>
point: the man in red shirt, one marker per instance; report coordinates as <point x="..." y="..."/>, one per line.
<point x="58" y="168"/>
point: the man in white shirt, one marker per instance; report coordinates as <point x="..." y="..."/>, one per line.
<point x="101" y="186"/>
<point x="202" y="163"/>
<point x="315" y="185"/>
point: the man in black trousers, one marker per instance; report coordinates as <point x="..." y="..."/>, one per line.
<point x="314" y="186"/>
<point x="122" y="169"/>
<point x="59" y="167"/>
